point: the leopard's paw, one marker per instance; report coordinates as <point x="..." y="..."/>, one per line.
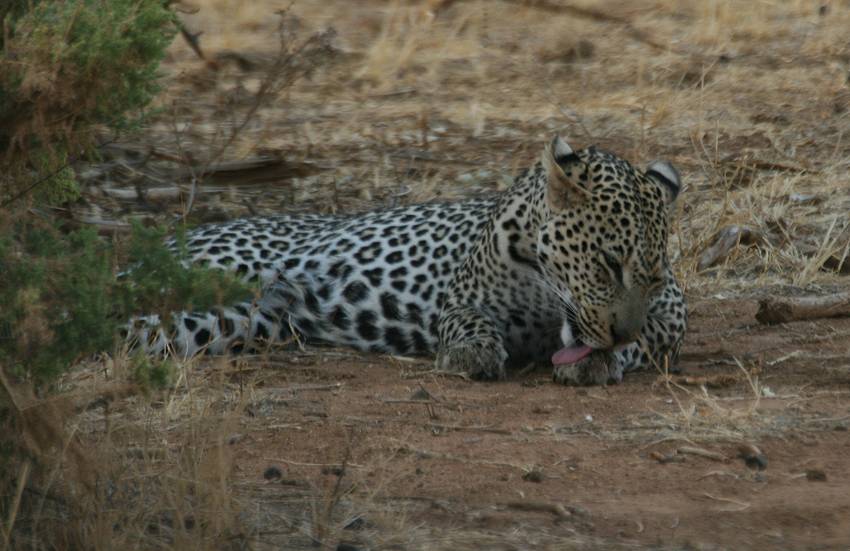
<point x="597" y="369"/>
<point x="480" y="359"/>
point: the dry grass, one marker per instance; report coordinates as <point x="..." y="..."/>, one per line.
<point x="703" y="416"/>
<point x="154" y="472"/>
<point x="749" y="102"/>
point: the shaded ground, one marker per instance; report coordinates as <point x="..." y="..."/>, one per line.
<point x="750" y="101"/>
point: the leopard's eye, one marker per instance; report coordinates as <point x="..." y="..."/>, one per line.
<point x="613" y="266"/>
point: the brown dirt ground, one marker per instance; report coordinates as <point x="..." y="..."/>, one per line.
<point x="749" y="100"/>
<point x="461" y="459"/>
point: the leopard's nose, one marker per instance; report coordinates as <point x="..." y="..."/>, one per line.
<point x="627" y="320"/>
<point x="624" y="334"/>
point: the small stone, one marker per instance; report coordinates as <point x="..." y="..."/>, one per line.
<point x="273" y="472"/>
<point x="421" y="394"/>
<point x="534" y="475"/>
<point x="815" y="475"/>
<point x="336" y="470"/>
<point x="357" y="523"/>
<point x="578" y="510"/>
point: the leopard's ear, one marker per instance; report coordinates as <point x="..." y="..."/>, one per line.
<point x="666" y="175"/>
<point x="565" y="173"/>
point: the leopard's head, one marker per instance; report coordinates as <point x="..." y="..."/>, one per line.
<point x="603" y="248"/>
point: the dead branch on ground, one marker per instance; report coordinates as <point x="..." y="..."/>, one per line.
<point x="700" y="452"/>
<point x="780" y="310"/>
<point x="727" y="239"/>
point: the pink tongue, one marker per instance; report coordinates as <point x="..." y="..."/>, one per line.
<point x="571" y="354"/>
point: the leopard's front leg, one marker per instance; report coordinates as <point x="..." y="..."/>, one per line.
<point x="470" y="344"/>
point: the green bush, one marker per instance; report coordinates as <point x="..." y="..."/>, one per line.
<point x="62" y="300"/>
<point x="54" y="307"/>
<point x="162" y="281"/>
<point x="68" y="68"/>
<point x="153" y="373"/>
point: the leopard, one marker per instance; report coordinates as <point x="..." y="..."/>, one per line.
<point x="567" y="267"/>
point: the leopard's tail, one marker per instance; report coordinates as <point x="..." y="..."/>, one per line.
<point x="250" y="325"/>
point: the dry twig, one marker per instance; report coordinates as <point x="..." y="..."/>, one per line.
<point x="708" y="454"/>
<point x="740" y="504"/>
<point x="556" y="509"/>
<point x="709" y="381"/>
<point x="472" y="428"/>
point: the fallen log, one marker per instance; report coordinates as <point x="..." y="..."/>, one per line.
<point x="781" y="310"/>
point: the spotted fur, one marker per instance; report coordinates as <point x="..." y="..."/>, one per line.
<point x="573" y="252"/>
